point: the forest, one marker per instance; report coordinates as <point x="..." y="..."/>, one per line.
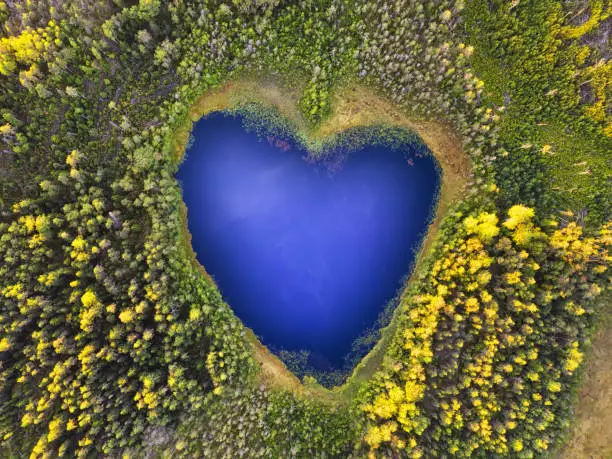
<point x="114" y="342"/>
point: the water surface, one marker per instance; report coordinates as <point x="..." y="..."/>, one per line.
<point x="306" y="257"/>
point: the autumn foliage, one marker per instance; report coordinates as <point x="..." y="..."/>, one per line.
<point x="491" y="343"/>
<point x="111" y="334"/>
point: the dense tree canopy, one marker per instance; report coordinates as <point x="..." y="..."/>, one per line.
<point x="109" y="334"/>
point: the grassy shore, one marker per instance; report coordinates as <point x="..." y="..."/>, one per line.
<point x="353" y="106"/>
<point x="589" y="435"/>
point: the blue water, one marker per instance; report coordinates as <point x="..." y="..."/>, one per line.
<point x="305" y="256"/>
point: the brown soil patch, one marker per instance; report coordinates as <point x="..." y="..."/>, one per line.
<point x="273" y="370"/>
<point x="591" y="431"/>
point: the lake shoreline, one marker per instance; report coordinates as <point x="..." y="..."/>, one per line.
<point x="353" y="106"/>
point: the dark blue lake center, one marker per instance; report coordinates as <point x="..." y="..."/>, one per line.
<point x="306" y="256"/>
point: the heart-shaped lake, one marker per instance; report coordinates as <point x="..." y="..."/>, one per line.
<point x="307" y="257"/>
